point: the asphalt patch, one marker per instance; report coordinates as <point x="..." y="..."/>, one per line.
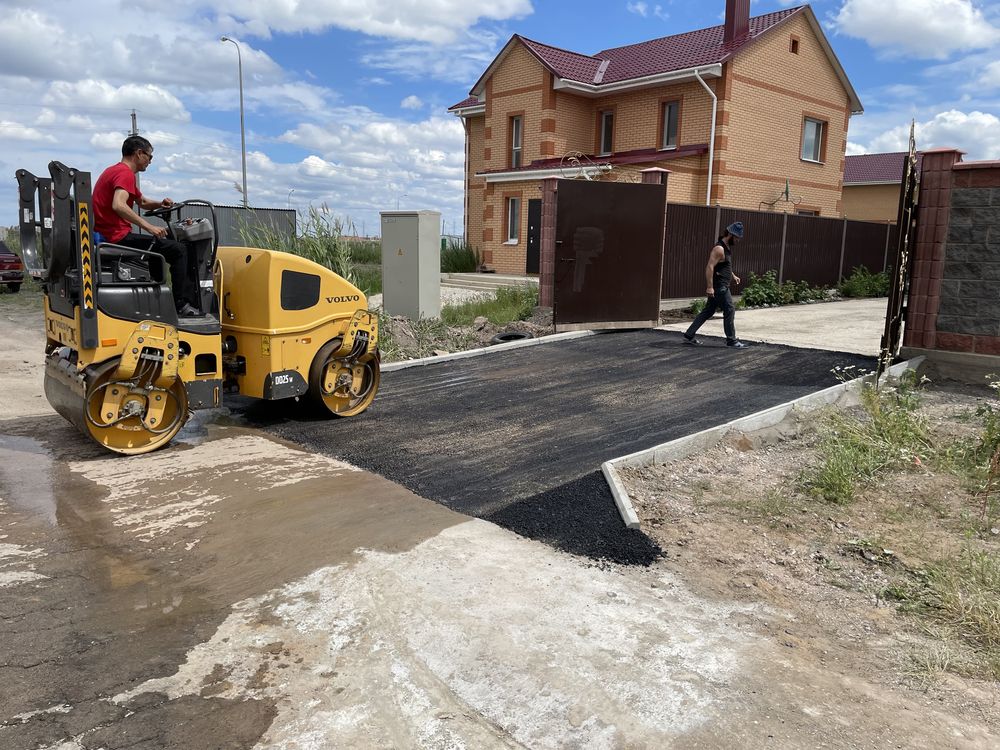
<point x="517" y="437"/>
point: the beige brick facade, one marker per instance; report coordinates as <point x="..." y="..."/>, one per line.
<point x="765" y="93"/>
<point x="871" y="202"/>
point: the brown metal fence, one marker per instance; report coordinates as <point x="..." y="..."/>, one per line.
<point x="815" y="249"/>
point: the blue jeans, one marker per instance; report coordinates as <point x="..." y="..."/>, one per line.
<point x="722" y="299"/>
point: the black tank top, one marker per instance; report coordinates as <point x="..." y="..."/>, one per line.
<point x="723" y="272"/>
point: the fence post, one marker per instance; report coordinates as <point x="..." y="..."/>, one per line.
<point x="843" y="244"/>
<point x="885" y="256"/>
<point x="781" y="263"/>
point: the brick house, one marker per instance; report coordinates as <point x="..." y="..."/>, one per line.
<point x="872" y="183"/>
<point x="769" y="88"/>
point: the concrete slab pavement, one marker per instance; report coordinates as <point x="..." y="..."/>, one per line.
<point x="844" y="326"/>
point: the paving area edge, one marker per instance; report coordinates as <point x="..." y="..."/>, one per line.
<point x="389" y="367"/>
<point x="688" y="444"/>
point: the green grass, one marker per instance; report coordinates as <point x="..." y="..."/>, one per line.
<point x="854" y="450"/>
<point x="506" y="305"/>
<point x="961" y="594"/>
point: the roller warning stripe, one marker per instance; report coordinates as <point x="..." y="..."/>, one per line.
<point x="86" y="262"/>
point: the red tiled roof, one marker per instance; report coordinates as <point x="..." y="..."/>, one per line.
<point x="467" y="102"/>
<point x="639" y="156"/>
<point x="681" y="51"/>
<point x="667" y="54"/>
<point x="887" y="167"/>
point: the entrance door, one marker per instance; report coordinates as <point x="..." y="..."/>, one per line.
<point x="533" y="262"/>
<point x="608" y="254"/>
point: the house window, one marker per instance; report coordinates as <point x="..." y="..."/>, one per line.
<point x="515" y="141"/>
<point x="806" y="212"/>
<point x="793" y="46"/>
<point x="513" y="219"/>
<point x="813" y="132"/>
<point x="607" y="132"/>
<point x="671" y="110"/>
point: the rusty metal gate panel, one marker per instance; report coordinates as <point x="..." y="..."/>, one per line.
<point x="899" y="279"/>
<point x="608" y="254"/>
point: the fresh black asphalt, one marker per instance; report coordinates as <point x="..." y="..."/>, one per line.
<point x="518" y="437"/>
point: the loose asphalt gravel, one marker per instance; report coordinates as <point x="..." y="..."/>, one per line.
<point x="517" y="437"/>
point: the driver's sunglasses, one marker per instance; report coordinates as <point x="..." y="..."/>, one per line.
<point x="149" y="154"/>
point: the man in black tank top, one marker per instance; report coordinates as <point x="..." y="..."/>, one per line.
<point x="718" y="278"/>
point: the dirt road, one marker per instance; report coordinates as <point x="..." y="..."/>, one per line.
<point x="234" y="591"/>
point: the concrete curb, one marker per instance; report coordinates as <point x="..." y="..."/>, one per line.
<point x="487" y="350"/>
<point x="689" y="444"/>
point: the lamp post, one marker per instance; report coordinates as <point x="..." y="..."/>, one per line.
<point x="243" y="138"/>
<point x="404" y="195"/>
<point x="289" y="199"/>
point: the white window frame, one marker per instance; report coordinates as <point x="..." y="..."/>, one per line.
<point x="816" y="155"/>
<point x="516" y="141"/>
<point x="513" y="221"/>
<point x="607" y="132"/>
<point x="665" y="135"/>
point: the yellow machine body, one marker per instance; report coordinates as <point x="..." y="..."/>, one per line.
<point x="127" y="369"/>
<point x="278" y="311"/>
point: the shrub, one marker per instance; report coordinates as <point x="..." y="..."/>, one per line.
<point x="765" y="290"/>
<point x="458" y="256"/>
<point x="863" y="283"/>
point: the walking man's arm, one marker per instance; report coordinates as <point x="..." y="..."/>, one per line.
<point x="714" y="258"/>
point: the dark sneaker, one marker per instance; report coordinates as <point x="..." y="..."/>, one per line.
<point x="737" y="345"/>
<point x="188" y="311"/>
<point x="692" y="341"/>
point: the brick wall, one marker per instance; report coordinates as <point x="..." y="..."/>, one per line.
<point x="871" y="202"/>
<point x="954" y="299"/>
<point x="771" y="91"/>
<point x="763" y="97"/>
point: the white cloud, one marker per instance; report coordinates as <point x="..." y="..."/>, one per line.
<point x="16" y="132"/>
<point x="975" y="133"/>
<point x="917" y="28"/>
<point x="461" y="62"/>
<point x="853" y="149"/>
<point x="990" y="77"/>
<point x="152" y="99"/>
<point x="439" y="22"/>
<point x="640" y="8"/>
<point x="412" y="102"/>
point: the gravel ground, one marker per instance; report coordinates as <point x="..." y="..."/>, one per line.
<point x="449" y="296"/>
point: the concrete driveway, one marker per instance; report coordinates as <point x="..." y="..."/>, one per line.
<point x="842" y="326"/>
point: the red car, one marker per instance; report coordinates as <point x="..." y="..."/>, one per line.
<point x="11" y="268"/>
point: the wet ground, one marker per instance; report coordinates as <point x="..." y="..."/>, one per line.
<point x="518" y="437"/>
<point x="236" y="591"/>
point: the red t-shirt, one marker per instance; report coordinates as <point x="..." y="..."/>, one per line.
<point x="112" y="226"/>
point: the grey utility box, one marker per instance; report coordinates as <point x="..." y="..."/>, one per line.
<point x="411" y="263"/>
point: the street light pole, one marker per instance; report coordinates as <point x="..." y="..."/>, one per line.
<point x="243" y="137"/>
<point x="397" y="200"/>
<point x="289" y="200"/>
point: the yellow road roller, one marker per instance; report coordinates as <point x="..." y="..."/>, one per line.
<point x="127" y="371"/>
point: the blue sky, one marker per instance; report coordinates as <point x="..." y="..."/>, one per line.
<point x="346" y="99"/>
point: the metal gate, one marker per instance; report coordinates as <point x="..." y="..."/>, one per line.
<point x="899" y="281"/>
<point x="608" y="254"/>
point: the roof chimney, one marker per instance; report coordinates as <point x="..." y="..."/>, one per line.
<point x="737" y="20"/>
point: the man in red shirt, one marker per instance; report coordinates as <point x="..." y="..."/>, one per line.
<point x="114" y="197"/>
